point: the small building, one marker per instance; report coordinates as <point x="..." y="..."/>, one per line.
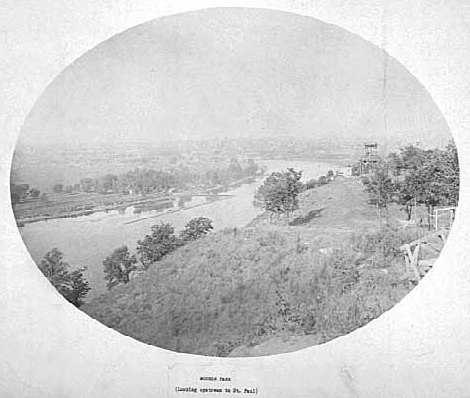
<point x="346" y="171"/>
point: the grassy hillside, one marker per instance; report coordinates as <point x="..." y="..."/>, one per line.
<point x="323" y="276"/>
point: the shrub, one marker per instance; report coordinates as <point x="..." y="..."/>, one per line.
<point x="196" y="228"/>
<point x="385" y="243"/>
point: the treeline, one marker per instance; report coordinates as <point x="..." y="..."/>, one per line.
<point x="162" y="240"/>
<point x="23" y="192"/>
<point x="416" y="176"/>
<point x="120" y="266"/>
<point x="144" y="181"/>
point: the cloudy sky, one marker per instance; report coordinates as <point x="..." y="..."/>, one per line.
<point x="234" y="73"/>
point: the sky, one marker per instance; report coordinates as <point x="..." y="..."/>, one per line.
<point x="236" y="73"/>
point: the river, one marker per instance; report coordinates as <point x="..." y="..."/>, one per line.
<point x="88" y="240"/>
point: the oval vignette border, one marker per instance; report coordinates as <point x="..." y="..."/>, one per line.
<point x="421" y="333"/>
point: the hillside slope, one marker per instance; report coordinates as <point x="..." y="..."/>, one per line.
<point x="242" y="287"/>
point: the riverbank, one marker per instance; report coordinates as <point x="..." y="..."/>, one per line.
<point x="63" y="205"/>
<point x="84" y="204"/>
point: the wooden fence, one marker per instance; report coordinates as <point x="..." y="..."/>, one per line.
<point x="411" y="252"/>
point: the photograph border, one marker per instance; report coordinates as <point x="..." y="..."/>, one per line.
<point x="418" y="348"/>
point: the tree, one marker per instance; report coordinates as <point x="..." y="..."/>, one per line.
<point x="212" y="177"/>
<point x="395" y="164"/>
<point x="405" y="197"/>
<point x="21" y="189"/>
<point x="18" y="192"/>
<point x="410" y="158"/>
<point x="58" y="188"/>
<point x="420" y="185"/>
<point x="87" y="185"/>
<point x="381" y="188"/>
<point x="34" y="192"/>
<point x="451" y="174"/>
<point x="71" y="284"/>
<point x="431" y="178"/>
<point x="251" y="167"/>
<point x="15" y="198"/>
<point x="79" y="287"/>
<point x="119" y="266"/>
<point x="158" y="244"/>
<point x="279" y="192"/>
<point x="196" y="228"/>
<point x="234" y="167"/>
<point x="107" y="183"/>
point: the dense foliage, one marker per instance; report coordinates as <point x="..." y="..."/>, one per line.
<point x="161" y="241"/>
<point x="71" y="284"/>
<point x="119" y="266"/>
<point x="416" y="176"/>
<point x="146" y="181"/>
<point x="433" y="178"/>
<point x="279" y="192"/>
<point x="381" y="187"/>
<point x="23" y="192"/>
<point x="196" y="228"/>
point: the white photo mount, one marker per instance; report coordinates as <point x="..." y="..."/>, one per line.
<point x="418" y="348"/>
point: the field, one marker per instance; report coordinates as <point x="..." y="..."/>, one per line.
<point x="272" y="286"/>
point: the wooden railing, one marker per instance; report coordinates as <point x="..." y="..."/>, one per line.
<point x="411" y="251"/>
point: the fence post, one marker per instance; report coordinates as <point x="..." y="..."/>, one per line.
<point x="414" y="262"/>
<point x="407" y="257"/>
